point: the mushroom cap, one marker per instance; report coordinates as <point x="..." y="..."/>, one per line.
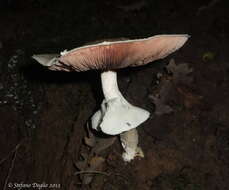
<point x="116" y="54"/>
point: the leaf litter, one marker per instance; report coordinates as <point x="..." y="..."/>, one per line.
<point x="177" y="75"/>
<point x="91" y="160"/>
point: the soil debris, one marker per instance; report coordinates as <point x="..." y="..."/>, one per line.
<point x="91" y="159"/>
<point x="169" y="85"/>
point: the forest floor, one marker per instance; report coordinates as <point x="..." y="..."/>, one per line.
<point x="43" y="114"/>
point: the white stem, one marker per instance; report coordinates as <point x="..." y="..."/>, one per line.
<point x="110" y="85"/>
<point x="129" y="141"/>
<point x="118" y="116"/>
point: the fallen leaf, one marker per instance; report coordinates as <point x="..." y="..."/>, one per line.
<point x="190" y="99"/>
<point x="95" y="162"/>
<point x="161" y="98"/>
<point x="102" y="144"/>
<point x="91" y="161"/>
<point x="161" y="108"/>
<point x="89" y="141"/>
<point x="180" y="72"/>
<point x="94" y="165"/>
<point x="167" y="86"/>
<point x="81" y="165"/>
<point x="84" y="155"/>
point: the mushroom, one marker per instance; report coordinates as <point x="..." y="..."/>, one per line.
<point x="117" y="115"/>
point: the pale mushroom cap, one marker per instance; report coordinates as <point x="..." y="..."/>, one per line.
<point x="119" y="54"/>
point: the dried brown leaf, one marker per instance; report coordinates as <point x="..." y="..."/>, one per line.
<point x="160" y="100"/>
<point x="103" y="143"/>
<point x="84" y="155"/>
<point x="81" y="165"/>
<point x="190" y="99"/>
<point x="91" y="160"/>
<point x="161" y="108"/>
<point x="180" y="72"/>
<point x="96" y="162"/>
<point x="168" y="86"/>
<point x="90" y="141"/>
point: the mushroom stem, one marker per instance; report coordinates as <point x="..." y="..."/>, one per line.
<point x="129" y="141"/>
<point x="110" y="85"/>
<point x="117" y="116"/>
<point x="114" y="107"/>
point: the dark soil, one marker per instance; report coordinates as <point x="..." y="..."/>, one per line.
<point x="43" y="114"/>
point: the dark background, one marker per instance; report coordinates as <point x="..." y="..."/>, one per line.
<point x="43" y="113"/>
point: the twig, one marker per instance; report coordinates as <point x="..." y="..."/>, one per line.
<point x="14" y="151"/>
<point x="91" y="172"/>
<point x="208" y="6"/>
<point x="98" y="172"/>
<point x="11" y="152"/>
<point x="10" y="169"/>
